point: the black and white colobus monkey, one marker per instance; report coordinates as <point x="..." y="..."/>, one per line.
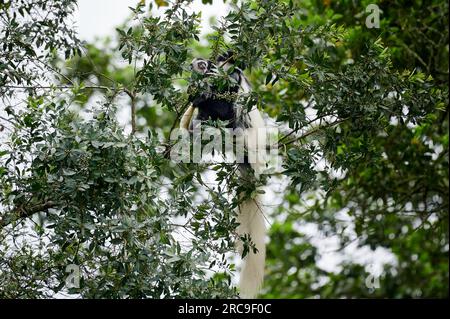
<point x="250" y="216"/>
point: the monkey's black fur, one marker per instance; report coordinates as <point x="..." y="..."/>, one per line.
<point x="212" y="105"/>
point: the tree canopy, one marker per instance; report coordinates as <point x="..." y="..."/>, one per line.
<point x="363" y="133"/>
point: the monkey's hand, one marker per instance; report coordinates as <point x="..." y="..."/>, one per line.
<point x="198" y="99"/>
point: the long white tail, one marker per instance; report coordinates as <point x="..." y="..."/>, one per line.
<point x="251" y="215"/>
<point x="251" y="220"/>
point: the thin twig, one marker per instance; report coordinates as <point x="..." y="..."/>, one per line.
<point x="132" y="96"/>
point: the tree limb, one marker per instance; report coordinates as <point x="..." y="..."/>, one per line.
<point x="25" y="212"/>
<point x="25" y="87"/>
<point x="132" y="96"/>
<point x="313" y="131"/>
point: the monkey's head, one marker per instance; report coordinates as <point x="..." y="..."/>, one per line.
<point x="201" y="66"/>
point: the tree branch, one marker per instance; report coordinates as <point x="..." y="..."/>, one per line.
<point x="132" y="96"/>
<point x="130" y="93"/>
<point x="24" y="212"/>
<point x="313" y="131"/>
<point x="308" y="123"/>
<point x="27" y="87"/>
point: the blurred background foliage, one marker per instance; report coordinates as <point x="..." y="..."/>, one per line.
<point x="396" y="189"/>
<point x="363" y="115"/>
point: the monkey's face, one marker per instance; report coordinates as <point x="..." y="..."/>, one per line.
<point x="201" y="66"/>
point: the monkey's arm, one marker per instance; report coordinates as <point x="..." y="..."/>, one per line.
<point x="195" y="100"/>
<point x="186" y="118"/>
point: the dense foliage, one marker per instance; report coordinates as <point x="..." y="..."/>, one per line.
<point x="363" y="118"/>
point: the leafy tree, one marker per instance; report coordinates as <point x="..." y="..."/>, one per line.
<point x="393" y="181"/>
<point x="364" y="114"/>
